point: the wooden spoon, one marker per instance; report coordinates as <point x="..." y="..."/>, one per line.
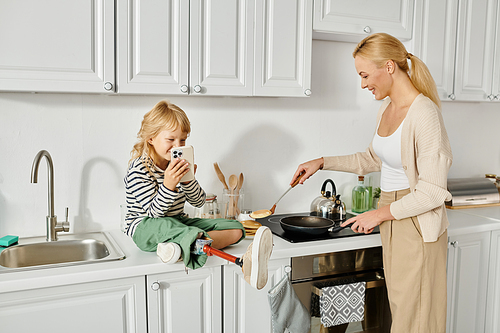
<point x="220" y="175"/>
<point x="258" y="214"/>
<point x="233" y="184"/>
<point x="240" y="185"/>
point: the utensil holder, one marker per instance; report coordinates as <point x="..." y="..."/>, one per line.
<point x="232" y="204"/>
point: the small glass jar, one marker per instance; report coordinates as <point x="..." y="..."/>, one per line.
<point x="245" y="215"/>
<point x="211" y="209"/>
<point x="232" y="203"/>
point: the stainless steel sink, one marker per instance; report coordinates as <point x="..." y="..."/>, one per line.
<point x="73" y="249"/>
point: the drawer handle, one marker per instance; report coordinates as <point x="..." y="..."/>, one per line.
<point x="369" y="285"/>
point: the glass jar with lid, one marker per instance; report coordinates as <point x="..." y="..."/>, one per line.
<point x="211" y="209"/>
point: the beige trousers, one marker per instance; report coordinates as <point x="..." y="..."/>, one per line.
<point x="415" y="274"/>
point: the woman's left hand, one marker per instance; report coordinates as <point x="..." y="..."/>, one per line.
<point x="367" y="221"/>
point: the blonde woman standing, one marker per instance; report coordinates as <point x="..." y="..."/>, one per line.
<point x="411" y="149"/>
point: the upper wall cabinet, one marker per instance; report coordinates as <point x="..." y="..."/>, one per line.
<point x="283" y="48"/>
<point x="353" y="20"/>
<point x="168" y="47"/>
<point x="435" y="41"/>
<point x="197" y="47"/>
<point x="152" y="46"/>
<point x="476" y="36"/>
<point x="210" y="48"/>
<point x="460" y="43"/>
<point x="57" y="46"/>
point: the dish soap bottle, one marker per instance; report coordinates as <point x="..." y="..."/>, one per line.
<point x="360" y="195"/>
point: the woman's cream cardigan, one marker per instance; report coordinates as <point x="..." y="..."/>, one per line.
<point x="426" y="157"/>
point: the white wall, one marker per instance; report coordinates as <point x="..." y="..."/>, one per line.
<point x="90" y="138"/>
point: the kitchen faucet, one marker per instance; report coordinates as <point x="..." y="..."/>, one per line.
<point x="53" y="227"/>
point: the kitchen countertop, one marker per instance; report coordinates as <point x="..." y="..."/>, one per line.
<point x="139" y="263"/>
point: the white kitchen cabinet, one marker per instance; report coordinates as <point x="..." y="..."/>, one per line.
<point x="283" y="45"/>
<point x="115" y="306"/>
<point x="57" y="46"/>
<point x="467" y="274"/>
<point x="495" y="93"/>
<point x="215" y="47"/>
<point x="152" y="46"/>
<point x="493" y="299"/>
<point x="477" y="28"/>
<point x="211" y="47"/>
<point x="435" y="41"/>
<point x="185" y="302"/>
<point x="355" y="19"/>
<point x="221" y="47"/>
<point x="458" y="40"/>
<point x="246" y="309"/>
<point x="183" y="47"/>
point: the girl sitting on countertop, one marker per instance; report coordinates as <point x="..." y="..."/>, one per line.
<point x="155" y="202"/>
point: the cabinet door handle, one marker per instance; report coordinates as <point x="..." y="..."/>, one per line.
<point x="454" y="243"/>
<point x="451" y="96"/>
<point x="197" y="89"/>
<point x="184" y="89"/>
<point x="491" y="97"/>
<point x="108" y="86"/>
<point x="367" y="29"/>
<point x="308" y="92"/>
<point x="497" y="97"/>
<point x="155" y="286"/>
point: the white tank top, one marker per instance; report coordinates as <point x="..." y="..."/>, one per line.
<point x="388" y="148"/>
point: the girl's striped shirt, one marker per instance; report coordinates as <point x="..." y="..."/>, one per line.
<point x="148" y="197"/>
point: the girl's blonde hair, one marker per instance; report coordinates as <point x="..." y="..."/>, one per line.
<point x="381" y="47"/>
<point x="164" y="116"/>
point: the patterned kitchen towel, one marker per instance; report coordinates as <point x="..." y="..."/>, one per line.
<point x="342" y="304"/>
<point x="287" y="312"/>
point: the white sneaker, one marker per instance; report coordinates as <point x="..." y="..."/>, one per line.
<point x="256" y="258"/>
<point x="169" y="253"/>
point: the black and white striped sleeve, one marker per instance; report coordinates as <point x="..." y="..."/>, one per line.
<point x="142" y="189"/>
<point x="195" y="195"/>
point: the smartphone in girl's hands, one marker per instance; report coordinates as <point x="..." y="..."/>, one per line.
<point x="185" y="153"/>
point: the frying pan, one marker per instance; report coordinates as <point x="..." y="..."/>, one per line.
<point x="309" y="225"/>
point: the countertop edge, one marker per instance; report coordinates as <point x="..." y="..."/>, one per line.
<point x="140" y="263"/>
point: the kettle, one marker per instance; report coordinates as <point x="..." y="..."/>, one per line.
<point x="324" y="204"/>
<point x="338" y="212"/>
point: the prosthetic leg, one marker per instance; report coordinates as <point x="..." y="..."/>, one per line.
<point x="210" y="251"/>
<point x="255" y="260"/>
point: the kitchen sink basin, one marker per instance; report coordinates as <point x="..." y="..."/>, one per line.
<point x="73" y="249"/>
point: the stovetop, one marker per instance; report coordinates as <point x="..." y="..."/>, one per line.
<point x="273" y="223"/>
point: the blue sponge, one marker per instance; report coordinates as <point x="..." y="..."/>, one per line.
<point x="6" y="241"/>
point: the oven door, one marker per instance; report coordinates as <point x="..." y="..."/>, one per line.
<point x="312" y="273"/>
<point x="377" y="313"/>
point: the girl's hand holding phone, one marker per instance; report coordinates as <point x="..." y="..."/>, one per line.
<point x="180" y="168"/>
<point x="176" y="169"/>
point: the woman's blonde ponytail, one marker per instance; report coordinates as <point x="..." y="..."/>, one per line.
<point x="422" y="79"/>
